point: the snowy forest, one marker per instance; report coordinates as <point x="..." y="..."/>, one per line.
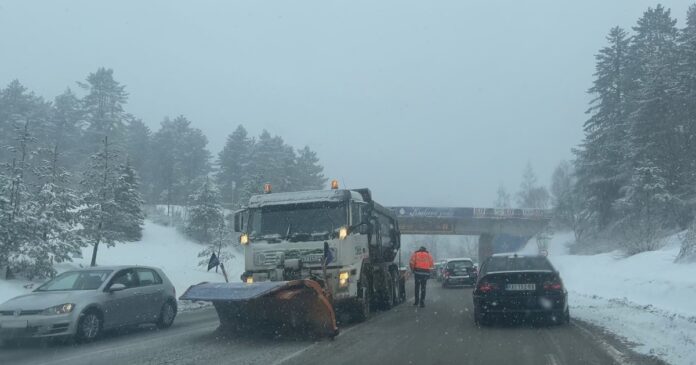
<point x="78" y="171"/>
<point x="633" y="180"/>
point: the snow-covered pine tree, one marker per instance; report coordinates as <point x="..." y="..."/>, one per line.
<point x="308" y="171"/>
<point x="103" y="107"/>
<point x="98" y="206"/>
<point x="266" y="165"/>
<point x="232" y="163"/>
<point x="64" y="132"/>
<point x="531" y="195"/>
<point x="222" y="245"/>
<point x="128" y="217"/>
<point x="644" y="208"/>
<point x="22" y="250"/>
<point x="602" y="158"/>
<point x="503" y="198"/>
<point x="53" y="211"/>
<point x="205" y="213"/>
<point x="686" y="114"/>
<point x="7" y="244"/>
<point x="687" y="253"/>
<point x="137" y="148"/>
<point x="657" y="141"/>
<point x="564" y="200"/>
<point x="56" y="238"/>
<point x="180" y="161"/>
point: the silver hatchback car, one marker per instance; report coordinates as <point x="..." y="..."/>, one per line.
<point x="84" y="302"/>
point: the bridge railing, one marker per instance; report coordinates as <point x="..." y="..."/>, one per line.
<point x="468" y="213"/>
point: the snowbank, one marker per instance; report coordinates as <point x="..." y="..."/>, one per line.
<point x="160" y="246"/>
<point x="647" y="299"/>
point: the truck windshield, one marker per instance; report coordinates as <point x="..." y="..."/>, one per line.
<point x="297" y="222"/>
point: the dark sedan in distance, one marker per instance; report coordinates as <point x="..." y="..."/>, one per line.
<point x="514" y="285"/>
<point x="459" y="272"/>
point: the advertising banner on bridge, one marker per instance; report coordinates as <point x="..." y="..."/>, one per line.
<point x="490" y="213"/>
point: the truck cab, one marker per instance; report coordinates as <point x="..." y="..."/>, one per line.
<point x="339" y="237"/>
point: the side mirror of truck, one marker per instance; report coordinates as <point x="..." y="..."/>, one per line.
<point x="364" y="228"/>
<point x="239" y="220"/>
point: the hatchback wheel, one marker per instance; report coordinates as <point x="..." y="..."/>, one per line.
<point x="167" y="315"/>
<point x="89" y="326"/>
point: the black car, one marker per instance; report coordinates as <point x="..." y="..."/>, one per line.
<point x="456" y="272"/>
<point x="514" y="285"/>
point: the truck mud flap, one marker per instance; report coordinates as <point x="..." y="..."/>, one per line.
<point x="298" y="305"/>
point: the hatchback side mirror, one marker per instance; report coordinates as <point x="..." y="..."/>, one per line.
<point x="116" y="287"/>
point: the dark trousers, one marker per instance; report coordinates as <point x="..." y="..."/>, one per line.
<point x="421" y="281"/>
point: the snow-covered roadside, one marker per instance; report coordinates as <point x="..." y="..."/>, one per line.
<point x="646" y="299"/>
<point x="161" y="247"/>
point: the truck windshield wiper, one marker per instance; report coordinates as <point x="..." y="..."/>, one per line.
<point x="287" y="232"/>
<point x="299" y="236"/>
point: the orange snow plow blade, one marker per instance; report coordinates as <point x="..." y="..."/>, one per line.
<point x="298" y="305"/>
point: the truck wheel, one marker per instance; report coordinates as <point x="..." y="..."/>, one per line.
<point x="386" y="297"/>
<point x="395" y="289"/>
<point x="362" y="305"/>
<point x="402" y="290"/>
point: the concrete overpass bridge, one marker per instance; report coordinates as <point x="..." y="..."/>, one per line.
<point x="499" y="230"/>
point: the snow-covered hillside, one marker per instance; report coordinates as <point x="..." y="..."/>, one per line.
<point x="160" y="246"/>
<point x="646" y="299"/>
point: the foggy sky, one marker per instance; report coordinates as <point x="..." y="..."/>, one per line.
<point x="425" y="102"/>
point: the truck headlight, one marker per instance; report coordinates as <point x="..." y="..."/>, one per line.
<point x="59" y="309"/>
<point x="343" y="233"/>
<point x="343" y="279"/>
<point x="244" y="239"/>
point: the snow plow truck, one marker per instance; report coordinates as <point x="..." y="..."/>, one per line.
<point x="309" y="255"/>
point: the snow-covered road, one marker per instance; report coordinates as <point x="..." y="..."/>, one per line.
<point x="647" y="300"/>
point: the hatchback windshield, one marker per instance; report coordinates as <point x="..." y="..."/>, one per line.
<point x="76" y="280"/>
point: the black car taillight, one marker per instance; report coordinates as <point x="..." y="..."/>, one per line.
<point x="555" y="285"/>
<point x="486" y="287"/>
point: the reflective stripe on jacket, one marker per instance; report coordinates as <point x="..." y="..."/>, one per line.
<point x="421" y="260"/>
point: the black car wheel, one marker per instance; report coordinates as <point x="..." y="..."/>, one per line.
<point x="480" y="319"/>
<point x="559" y="318"/>
<point x="167" y="315"/>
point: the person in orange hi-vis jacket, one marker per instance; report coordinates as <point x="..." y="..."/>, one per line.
<point x="421" y="265"/>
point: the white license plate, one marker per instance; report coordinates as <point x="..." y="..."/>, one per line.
<point x="520" y="287"/>
<point x="14" y="324"/>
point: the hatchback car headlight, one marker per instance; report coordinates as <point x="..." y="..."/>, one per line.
<point x="59" y="309"/>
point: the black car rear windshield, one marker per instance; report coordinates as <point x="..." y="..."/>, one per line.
<point x="517" y="263"/>
<point x="459" y="265"/>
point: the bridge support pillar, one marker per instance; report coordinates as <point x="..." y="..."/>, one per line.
<point x="485" y="246"/>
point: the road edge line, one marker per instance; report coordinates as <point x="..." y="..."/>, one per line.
<point x="616" y="355"/>
<point x="303" y="350"/>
